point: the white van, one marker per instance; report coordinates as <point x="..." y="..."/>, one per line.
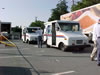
<point x="64" y="34"/>
<point x="29" y="34"/>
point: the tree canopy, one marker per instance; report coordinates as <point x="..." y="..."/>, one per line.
<point x="37" y="23"/>
<point x="83" y="4"/>
<point x="16" y="29"/>
<point x="61" y="8"/>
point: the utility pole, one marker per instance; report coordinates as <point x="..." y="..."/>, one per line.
<point x="0" y="27"/>
<point x="72" y="2"/>
<point x="35" y="19"/>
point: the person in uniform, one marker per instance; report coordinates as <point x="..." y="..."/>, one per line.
<point x="94" y="51"/>
<point x="97" y="36"/>
<point x="39" y="39"/>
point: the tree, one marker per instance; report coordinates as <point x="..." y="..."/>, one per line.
<point x="61" y="8"/>
<point x="16" y="29"/>
<point x="83" y="4"/>
<point x="37" y="24"/>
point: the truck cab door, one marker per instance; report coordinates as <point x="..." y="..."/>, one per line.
<point x="53" y="34"/>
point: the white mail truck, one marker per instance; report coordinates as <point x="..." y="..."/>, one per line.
<point x="64" y="35"/>
<point x="29" y="34"/>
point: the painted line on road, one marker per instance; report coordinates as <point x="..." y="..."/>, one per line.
<point x="62" y="73"/>
<point x="35" y="45"/>
<point x="25" y="48"/>
<point x="13" y="56"/>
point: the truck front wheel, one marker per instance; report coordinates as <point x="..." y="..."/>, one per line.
<point x="62" y="47"/>
<point x="28" y="42"/>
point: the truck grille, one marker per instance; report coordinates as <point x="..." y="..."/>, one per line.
<point x="79" y="41"/>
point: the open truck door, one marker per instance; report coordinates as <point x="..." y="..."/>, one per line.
<point x="53" y="34"/>
<point x="24" y="35"/>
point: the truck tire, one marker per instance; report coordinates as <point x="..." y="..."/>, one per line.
<point x="23" y="41"/>
<point x="62" y="47"/>
<point x="28" y="42"/>
<point x="47" y="46"/>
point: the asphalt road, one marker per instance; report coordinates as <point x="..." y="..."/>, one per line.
<point x="45" y="61"/>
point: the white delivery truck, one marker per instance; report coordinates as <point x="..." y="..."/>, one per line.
<point x="64" y="34"/>
<point x="29" y="34"/>
<point x="87" y="18"/>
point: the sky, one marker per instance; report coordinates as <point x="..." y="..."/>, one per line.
<point x="23" y="12"/>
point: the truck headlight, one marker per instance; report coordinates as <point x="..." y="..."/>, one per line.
<point x="65" y="38"/>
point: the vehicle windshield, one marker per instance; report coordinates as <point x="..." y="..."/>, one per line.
<point x="32" y="30"/>
<point x="69" y="26"/>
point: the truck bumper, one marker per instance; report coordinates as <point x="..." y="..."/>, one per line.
<point x="78" y="46"/>
<point x="33" y="39"/>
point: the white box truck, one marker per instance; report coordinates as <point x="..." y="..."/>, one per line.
<point x="87" y="18"/>
<point x="64" y="35"/>
<point x="29" y="34"/>
<point x="5" y="29"/>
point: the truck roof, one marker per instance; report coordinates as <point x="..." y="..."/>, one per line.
<point x="6" y="22"/>
<point x="62" y="21"/>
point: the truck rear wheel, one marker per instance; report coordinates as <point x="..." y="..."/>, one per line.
<point x="47" y="46"/>
<point x="23" y="41"/>
<point x="28" y="42"/>
<point x="62" y="47"/>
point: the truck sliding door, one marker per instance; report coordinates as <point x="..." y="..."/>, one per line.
<point x="53" y="34"/>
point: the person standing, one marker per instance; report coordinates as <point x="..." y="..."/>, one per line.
<point x="97" y="36"/>
<point x="39" y="39"/>
<point x="94" y="51"/>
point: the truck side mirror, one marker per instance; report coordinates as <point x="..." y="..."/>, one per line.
<point x="57" y="29"/>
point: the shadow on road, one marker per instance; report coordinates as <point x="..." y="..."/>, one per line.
<point x="86" y="50"/>
<point x="5" y="70"/>
<point x="74" y="51"/>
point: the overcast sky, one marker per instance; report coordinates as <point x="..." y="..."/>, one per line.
<point x="23" y="12"/>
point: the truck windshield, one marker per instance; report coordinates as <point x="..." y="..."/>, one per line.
<point x="32" y="30"/>
<point x="69" y="26"/>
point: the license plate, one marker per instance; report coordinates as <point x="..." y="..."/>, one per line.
<point x="79" y="41"/>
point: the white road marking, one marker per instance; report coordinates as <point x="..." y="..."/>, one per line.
<point x="62" y="73"/>
<point x="35" y="46"/>
<point x="25" y="48"/>
<point x="12" y="56"/>
<point x="42" y="51"/>
<point x="57" y="60"/>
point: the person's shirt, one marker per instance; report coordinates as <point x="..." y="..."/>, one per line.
<point x="94" y="35"/>
<point x="96" y="31"/>
<point x="39" y="32"/>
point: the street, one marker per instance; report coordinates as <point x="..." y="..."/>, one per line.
<point x="45" y="61"/>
